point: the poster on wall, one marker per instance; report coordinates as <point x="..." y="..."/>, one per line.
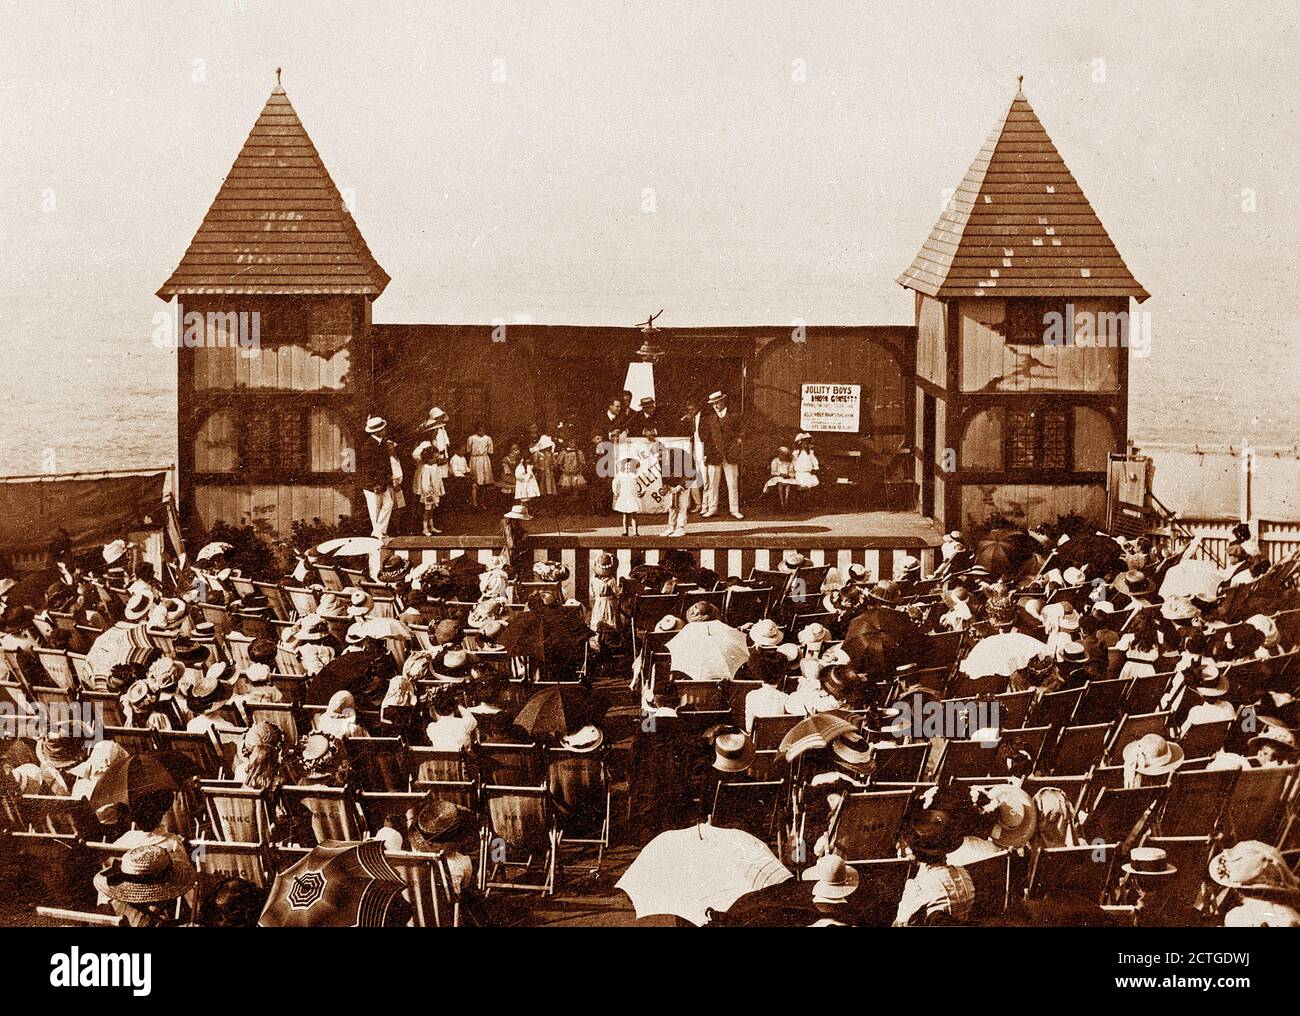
<point x="830" y="408"/>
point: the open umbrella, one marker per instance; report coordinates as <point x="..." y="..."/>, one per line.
<point x="886" y="636"/>
<point x="1003" y="551"/>
<point x="557" y="710"/>
<point x="816" y="731"/>
<point x="128" y="780"/>
<point x="688" y="872"/>
<point x="1004" y="654"/>
<point x="1194" y="577"/>
<point x="550" y="634"/>
<point x="211" y="550"/>
<point x="708" y="650"/>
<point x="349" y="546"/>
<point x="1102" y="552"/>
<point x="338" y="885"/>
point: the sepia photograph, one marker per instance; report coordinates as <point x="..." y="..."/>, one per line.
<point x="620" y="464"/>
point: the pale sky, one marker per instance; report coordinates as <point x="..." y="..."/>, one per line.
<point x="797" y="153"/>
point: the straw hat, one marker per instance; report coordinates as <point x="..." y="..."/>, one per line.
<point x="1205" y="678"/>
<point x="1134" y="583"/>
<point x="1178" y="608"/>
<point x="114" y="551"/>
<point x="453" y="665"/>
<point x="1252" y="865"/>
<point x="792" y="560"/>
<point x="733" y="752"/>
<point x="360" y="603"/>
<point x="321" y="754"/>
<point x="437" y="823"/>
<point x="376" y="425"/>
<point x="766" y="634"/>
<point x="146" y="874"/>
<point x="1017" y="817"/>
<point x="1148" y="861"/>
<point x="669" y="623"/>
<point x="717" y="397"/>
<point x="834" y="880"/>
<point x="138" y="607"/>
<point x="437" y="418"/>
<point x="1272" y="733"/>
<point x="1153" y="755"/>
<point x="584" y="739"/>
<point x="518" y="512"/>
<point x="1266" y="626"/>
<point x="64" y="745"/>
<point x="815" y="634"/>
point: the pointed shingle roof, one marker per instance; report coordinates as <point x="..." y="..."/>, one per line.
<point x="1019" y="225"/>
<point x="278" y="224"/>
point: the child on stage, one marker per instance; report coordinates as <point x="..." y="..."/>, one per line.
<point x="626" y="497"/>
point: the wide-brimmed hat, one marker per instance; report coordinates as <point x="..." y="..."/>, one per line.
<point x="321" y="754"/>
<point x="138" y="606"/>
<point x="587" y="738"/>
<point x="815" y="634"/>
<point x="64" y="745"/>
<point x="702" y="611"/>
<point x="186" y="650"/>
<point x="518" y="511"/>
<point x="716" y="397"/>
<point x="331" y="604"/>
<point x="1149" y="655"/>
<point x="164" y="674"/>
<point x="669" y="622"/>
<point x="733" y="752"/>
<point x="360" y="603"/>
<point x="146" y="874"/>
<point x="1148" y="861"/>
<point x="311" y="628"/>
<point x="114" y="551"/>
<point x="1074" y="652"/>
<point x="1179" y="608"/>
<point x="453" y="665"/>
<point x="437" y="417"/>
<point x="1272" y="732"/>
<point x="436" y="823"/>
<point x="834" y="880"/>
<point x="174" y="610"/>
<point x="1255" y="866"/>
<point x="1002" y="611"/>
<point x="1266" y="626"/>
<point x="1017" y="817"/>
<point x="1153" y="755"/>
<point x="1204" y="677"/>
<point x="376" y="425"/>
<point x="765" y="633"/>
<point x="1134" y="583"/>
<point x="446" y="630"/>
<point x="853" y="749"/>
<point x="210" y="688"/>
<point x="792" y="560"/>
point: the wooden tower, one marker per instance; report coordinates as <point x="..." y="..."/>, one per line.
<point x="1023" y="323"/>
<point x="273" y="331"/>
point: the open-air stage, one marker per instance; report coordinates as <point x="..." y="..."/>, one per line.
<point x="728" y="546"/>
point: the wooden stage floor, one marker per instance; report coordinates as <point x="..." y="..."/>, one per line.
<point x="555" y="524"/>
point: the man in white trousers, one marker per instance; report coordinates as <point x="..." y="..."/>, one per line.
<point x="720" y="437"/>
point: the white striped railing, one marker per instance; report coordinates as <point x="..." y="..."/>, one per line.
<point x="580" y="557"/>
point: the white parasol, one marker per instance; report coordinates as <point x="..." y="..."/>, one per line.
<point x="349" y="546"/>
<point x="1004" y="654"/>
<point x="708" y="650"/>
<point x="1196" y="578"/>
<point x="211" y="550"/>
<point x="687" y="872"/>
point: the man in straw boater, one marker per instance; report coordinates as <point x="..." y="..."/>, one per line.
<point x="720" y="436"/>
<point x="375" y="460"/>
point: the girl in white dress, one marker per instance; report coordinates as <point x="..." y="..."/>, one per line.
<point x="626" y="498"/>
<point x="525" y="482"/>
<point x="479" y="447"/>
<point x="428" y="481"/>
<point x="805" y="461"/>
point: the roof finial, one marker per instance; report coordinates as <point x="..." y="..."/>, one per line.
<point x="1020" y="82"/>
<point x="277" y="76"/>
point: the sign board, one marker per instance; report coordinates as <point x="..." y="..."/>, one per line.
<point x="649" y="480"/>
<point x="834" y="408"/>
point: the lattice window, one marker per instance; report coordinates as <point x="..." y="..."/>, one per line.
<point x="275" y="441"/>
<point x="1038" y="439"/>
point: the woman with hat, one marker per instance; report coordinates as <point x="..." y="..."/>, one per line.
<point x="431" y="456"/>
<point x="439" y="826"/>
<point x="59" y="750"/>
<point x="259" y="759"/>
<point x="1273" y="745"/>
<point x="1199" y="695"/>
<point x="451" y="726"/>
<point x="340" y="717"/>
<point x="514" y="540"/>
<point x="1262" y="886"/>
<point x="144" y="884"/>
<point x="207" y="697"/>
<point x="936" y="828"/>
<point x="833" y="884"/>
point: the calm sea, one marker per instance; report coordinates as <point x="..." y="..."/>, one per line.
<point x="1222" y="378"/>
